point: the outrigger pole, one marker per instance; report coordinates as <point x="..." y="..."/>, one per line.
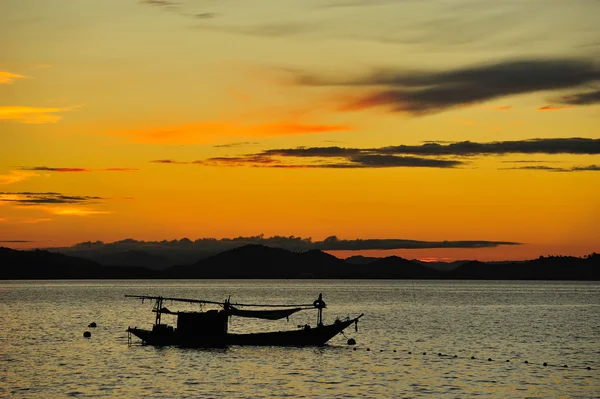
<point x="221" y="303"/>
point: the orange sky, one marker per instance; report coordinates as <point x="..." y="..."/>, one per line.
<point x="167" y="119"/>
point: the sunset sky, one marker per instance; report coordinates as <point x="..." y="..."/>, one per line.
<point x="427" y="120"/>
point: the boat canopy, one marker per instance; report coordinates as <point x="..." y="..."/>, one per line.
<point x="263" y="314"/>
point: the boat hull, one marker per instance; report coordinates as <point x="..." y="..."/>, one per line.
<point x="303" y="337"/>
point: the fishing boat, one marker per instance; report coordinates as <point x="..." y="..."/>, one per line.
<point x="210" y="328"/>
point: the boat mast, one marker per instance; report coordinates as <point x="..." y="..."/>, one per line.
<point x="158" y="307"/>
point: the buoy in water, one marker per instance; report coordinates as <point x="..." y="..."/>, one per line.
<point x="489" y="359"/>
<point x="424" y="353"/>
<point x="588" y="368"/>
<point x="368" y="349"/>
<point x="526" y="362"/>
<point x="351" y="341"/>
<point x="92" y="324"/>
<point x="455" y="356"/>
<point x="545" y="364"/>
<point x="507" y="361"/>
<point x="565" y="366"/>
<point x="440" y="354"/>
<point x="87" y="334"/>
<point x="354" y="348"/>
<point x="472" y="357"/>
<point x="394" y="350"/>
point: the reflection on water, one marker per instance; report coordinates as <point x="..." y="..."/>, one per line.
<point x="43" y="353"/>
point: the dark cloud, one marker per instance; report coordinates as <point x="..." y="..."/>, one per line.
<point x="529" y="161"/>
<point x="314" y="152"/>
<point x="589" y="168"/>
<point x="169" y="162"/>
<point x="291" y="243"/>
<point x="594" y="168"/>
<point x="238" y="161"/>
<point x="353" y="162"/>
<point x="16" y="241"/>
<point x="333" y="243"/>
<point x="586" y="98"/>
<point x="392" y="161"/>
<point x="434" y="91"/>
<point x="61" y="170"/>
<point x="574" y="145"/>
<point x="429" y="154"/>
<point x="31" y="198"/>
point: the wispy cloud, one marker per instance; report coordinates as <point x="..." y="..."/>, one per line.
<point x="170" y="162"/>
<point x="554" y="107"/>
<point x="33" y="115"/>
<point x="160" y="3"/>
<point x="75" y="170"/>
<point x="15" y="176"/>
<point x="177" y="8"/>
<point x="206" y="15"/>
<point x="238" y="144"/>
<point x="119" y="170"/>
<point x="529" y="161"/>
<point x="8" y="78"/>
<point x="54" y="203"/>
<point x="421" y="92"/>
<point x="59" y="170"/>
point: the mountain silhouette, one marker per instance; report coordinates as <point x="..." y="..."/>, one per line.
<point x="133" y="257"/>
<point x="259" y="261"/>
<point x="39" y="264"/>
<point x="543" y="268"/>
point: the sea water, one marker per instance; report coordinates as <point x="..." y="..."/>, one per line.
<point x="429" y="339"/>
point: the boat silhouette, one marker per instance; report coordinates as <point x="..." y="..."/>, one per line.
<point x="210" y="328"/>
